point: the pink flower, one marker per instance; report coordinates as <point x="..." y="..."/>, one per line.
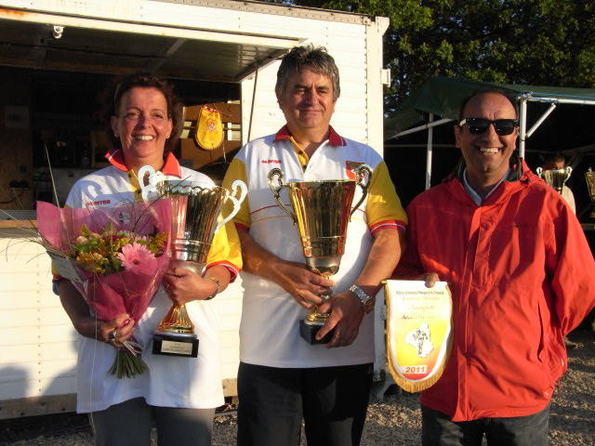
<point x="136" y="255"/>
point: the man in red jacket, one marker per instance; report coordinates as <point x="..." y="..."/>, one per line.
<point x="521" y="275"/>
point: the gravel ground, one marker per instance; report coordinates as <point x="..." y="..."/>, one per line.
<point x="394" y="421"/>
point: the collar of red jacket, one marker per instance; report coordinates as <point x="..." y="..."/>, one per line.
<point x="524" y="174"/>
<point x="515" y="180"/>
<point x="171" y="166"/>
<point x="333" y="137"/>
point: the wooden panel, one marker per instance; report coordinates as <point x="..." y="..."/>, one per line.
<point x="192" y="152"/>
<point x="200" y="157"/>
<point x="229" y="112"/>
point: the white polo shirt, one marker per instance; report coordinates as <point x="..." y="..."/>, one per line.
<point x="269" y="330"/>
<point x="169" y="381"/>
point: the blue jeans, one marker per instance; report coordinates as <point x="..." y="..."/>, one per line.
<point x="530" y="430"/>
<point x="332" y="401"/>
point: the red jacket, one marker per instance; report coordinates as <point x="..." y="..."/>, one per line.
<point x="522" y="276"/>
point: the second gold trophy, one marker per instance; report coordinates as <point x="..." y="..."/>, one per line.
<point x="321" y="211"/>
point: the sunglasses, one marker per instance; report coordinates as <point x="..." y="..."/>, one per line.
<point x="477" y="126"/>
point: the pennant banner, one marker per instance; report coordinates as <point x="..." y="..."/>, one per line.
<point x="209" y="128"/>
<point x="419" y="332"/>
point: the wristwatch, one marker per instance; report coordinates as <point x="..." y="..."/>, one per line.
<point x="365" y="299"/>
<point x="218" y="283"/>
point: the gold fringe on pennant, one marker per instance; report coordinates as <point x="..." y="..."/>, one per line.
<point x="415" y="386"/>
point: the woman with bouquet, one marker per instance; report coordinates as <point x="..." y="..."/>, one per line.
<point x="179" y="394"/>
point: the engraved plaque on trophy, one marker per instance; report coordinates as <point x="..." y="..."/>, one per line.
<point x="321" y="211"/>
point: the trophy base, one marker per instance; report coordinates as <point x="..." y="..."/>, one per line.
<point x="308" y="332"/>
<point x="172" y="344"/>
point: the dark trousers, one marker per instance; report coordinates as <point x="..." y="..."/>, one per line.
<point x="530" y="430"/>
<point x="332" y="401"/>
<point x="129" y="424"/>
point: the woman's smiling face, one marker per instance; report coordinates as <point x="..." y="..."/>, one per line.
<point x="143" y="125"/>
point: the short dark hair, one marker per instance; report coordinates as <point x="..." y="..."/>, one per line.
<point x="491" y="90"/>
<point x="553" y="158"/>
<point x="557" y="156"/>
<point x="148" y="80"/>
<point x="313" y="58"/>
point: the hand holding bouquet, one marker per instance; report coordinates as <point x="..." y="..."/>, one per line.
<point x="115" y="257"/>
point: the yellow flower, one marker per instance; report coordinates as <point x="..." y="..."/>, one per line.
<point x="92" y="262"/>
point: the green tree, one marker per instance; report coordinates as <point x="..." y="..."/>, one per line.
<point x="539" y="42"/>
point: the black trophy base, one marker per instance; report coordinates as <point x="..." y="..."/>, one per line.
<point x="175" y="345"/>
<point x="308" y="332"/>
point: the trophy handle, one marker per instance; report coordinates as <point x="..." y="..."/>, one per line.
<point x="276" y="187"/>
<point x="590" y="180"/>
<point x="240" y="187"/>
<point x="539" y="171"/>
<point x="568" y="172"/>
<point x="155" y="177"/>
<point x="363" y="174"/>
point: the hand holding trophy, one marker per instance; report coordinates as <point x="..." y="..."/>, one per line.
<point x="321" y="210"/>
<point x="195" y="212"/>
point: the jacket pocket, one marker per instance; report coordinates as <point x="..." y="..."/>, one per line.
<point x="513" y="250"/>
<point x="551" y="352"/>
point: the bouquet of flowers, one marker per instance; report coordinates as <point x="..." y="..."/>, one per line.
<point x="115" y="257"/>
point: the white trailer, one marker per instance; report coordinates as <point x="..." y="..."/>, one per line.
<point x="225" y="41"/>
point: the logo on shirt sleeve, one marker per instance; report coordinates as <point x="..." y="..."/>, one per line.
<point x="350" y="166"/>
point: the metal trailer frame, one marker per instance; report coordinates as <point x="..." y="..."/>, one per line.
<point x="522" y="99"/>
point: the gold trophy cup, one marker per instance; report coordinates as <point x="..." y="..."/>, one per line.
<point x="556" y="178"/>
<point x="590" y="179"/>
<point x="195" y="212"/>
<point x="321" y="210"/>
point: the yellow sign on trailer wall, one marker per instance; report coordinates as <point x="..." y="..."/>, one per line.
<point x="419" y="332"/>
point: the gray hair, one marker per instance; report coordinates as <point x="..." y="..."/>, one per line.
<point x="316" y="59"/>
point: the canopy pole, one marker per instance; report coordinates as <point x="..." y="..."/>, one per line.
<point x="540" y="120"/>
<point x="420" y="128"/>
<point x="523" y="128"/>
<point x="429" y="151"/>
<point x="252" y="105"/>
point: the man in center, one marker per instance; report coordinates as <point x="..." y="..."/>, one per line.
<point x="282" y="378"/>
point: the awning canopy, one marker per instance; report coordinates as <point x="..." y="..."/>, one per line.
<point x="62" y="42"/>
<point x="442" y="97"/>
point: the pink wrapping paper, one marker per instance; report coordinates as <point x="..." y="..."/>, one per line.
<point x="128" y="291"/>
